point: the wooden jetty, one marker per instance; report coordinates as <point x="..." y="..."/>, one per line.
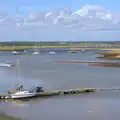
<point x="56" y="92"/>
<point x="64" y="92"/>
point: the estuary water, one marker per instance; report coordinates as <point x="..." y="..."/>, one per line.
<point x="41" y="70"/>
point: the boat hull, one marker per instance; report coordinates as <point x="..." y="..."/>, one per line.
<point x="22" y="95"/>
<point x="36" y="53"/>
<point x="24" y="98"/>
<point x="6" y="65"/>
<point x="15" y="53"/>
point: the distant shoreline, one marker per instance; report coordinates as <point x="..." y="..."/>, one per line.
<point x="70" y="47"/>
<point x="20" y="46"/>
<point x="60" y="43"/>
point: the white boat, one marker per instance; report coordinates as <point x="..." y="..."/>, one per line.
<point x="6" y="65"/>
<point x="36" y="53"/>
<point x="25" y="51"/>
<point x="52" y="53"/>
<point x="14" y="52"/>
<point x="83" y="50"/>
<point x="21" y="93"/>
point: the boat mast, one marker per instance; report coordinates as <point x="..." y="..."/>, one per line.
<point x="36" y="47"/>
<point x="13" y="47"/>
<point x="18" y="70"/>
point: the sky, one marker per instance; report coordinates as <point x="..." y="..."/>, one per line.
<point x="58" y="20"/>
<point x="29" y="5"/>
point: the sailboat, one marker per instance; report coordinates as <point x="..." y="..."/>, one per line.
<point x="83" y="50"/>
<point x="14" y="52"/>
<point x="25" y="50"/>
<point x="52" y="53"/>
<point x="36" y="52"/>
<point x="20" y="92"/>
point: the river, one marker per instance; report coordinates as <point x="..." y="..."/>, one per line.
<point x="41" y="70"/>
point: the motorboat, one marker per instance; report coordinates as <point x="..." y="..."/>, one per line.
<point x="21" y="93"/>
<point x="6" y="65"/>
<point x="83" y="50"/>
<point x="25" y="51"/>
<point x="36" y="53"/>
<point x="52" y="53"/>
<point x="15" y="52"/>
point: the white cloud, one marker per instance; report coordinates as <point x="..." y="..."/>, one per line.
<point x="87" y="23"/>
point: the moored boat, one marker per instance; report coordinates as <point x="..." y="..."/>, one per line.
<point x="21" y="93"/>
<point x="6" y="65"/>
<point x="36" y="53"/>
<point x="15" y="53"/>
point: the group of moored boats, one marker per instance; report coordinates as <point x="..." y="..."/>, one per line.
<point x="9" y="64"/>
<point x="20" y="92"/>
<point x="36" y="52"/>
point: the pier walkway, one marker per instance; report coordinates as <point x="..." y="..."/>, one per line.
<point x="64" y="92"/>
<point x="56" y="92"/>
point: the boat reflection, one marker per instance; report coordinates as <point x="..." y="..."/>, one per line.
<point x="23" y="103"/>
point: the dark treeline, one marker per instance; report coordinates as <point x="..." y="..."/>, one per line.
<point x="26" y="43"/>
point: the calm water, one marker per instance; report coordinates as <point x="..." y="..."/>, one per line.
<point x="41" y="70"/>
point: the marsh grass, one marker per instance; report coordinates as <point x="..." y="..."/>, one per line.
<point x="78" y="46"/>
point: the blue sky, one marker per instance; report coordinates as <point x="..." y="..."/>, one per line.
<point x="33" y="5"/>
<point x="95" y="22"/>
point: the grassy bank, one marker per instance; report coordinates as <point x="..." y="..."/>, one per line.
<point x="70" y="47"/>
<point x="20" y="48"/>
<point x="8" y="46"/>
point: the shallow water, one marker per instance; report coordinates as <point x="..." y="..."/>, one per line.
<point x="41" y="70"/>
